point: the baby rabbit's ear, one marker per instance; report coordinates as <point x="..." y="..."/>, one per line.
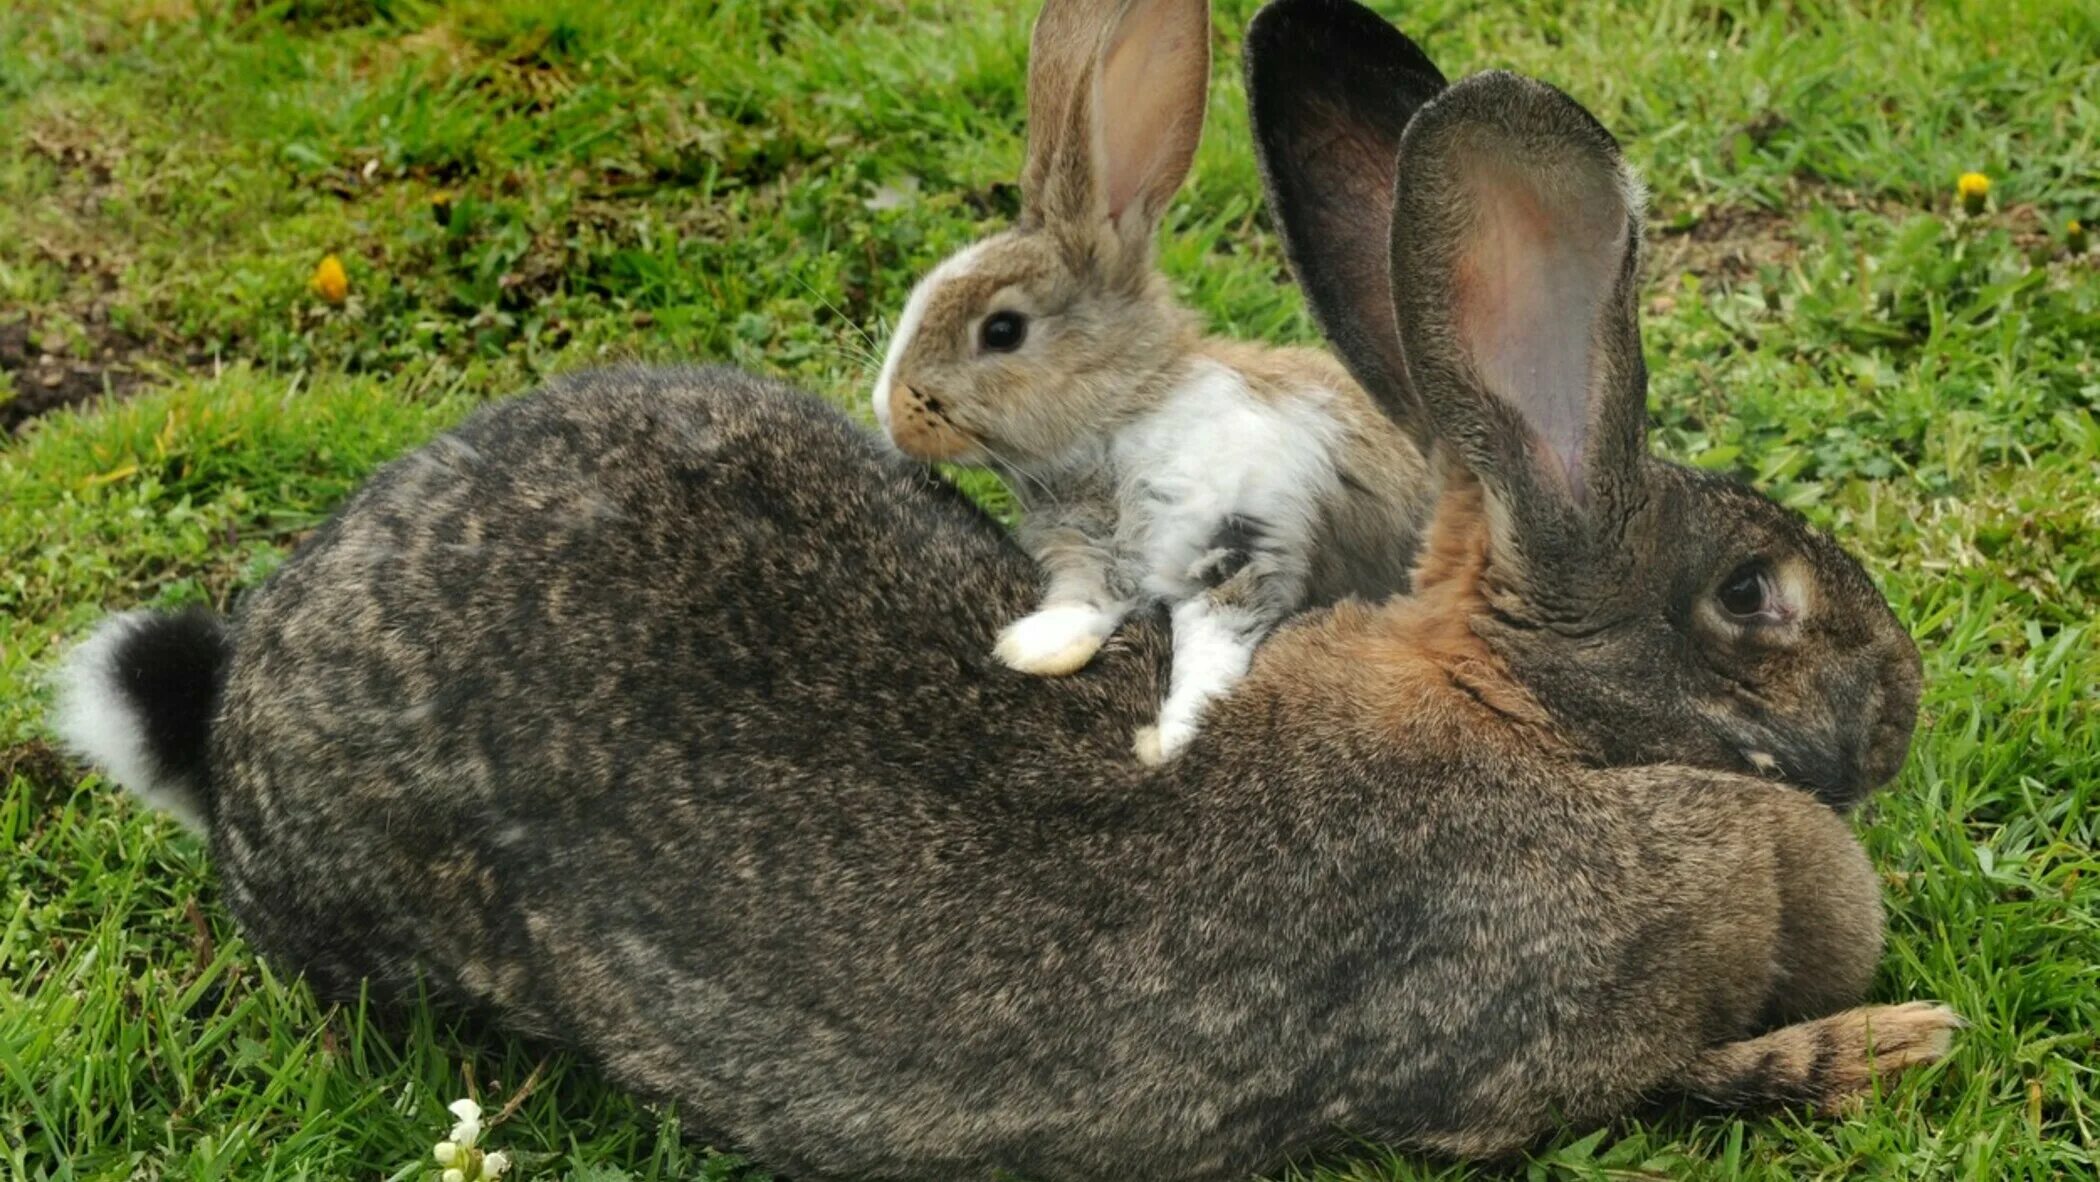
<point x="1516" y="244"/>
<point x="1116" y="91"/>
<point x="1330" y="88"/>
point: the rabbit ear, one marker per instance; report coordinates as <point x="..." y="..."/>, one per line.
<point x="1516" y="244"/>
<point x="1330" y="88"/>
<point x="1116" y="92"/>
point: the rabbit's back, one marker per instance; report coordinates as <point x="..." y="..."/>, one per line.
<point x="565" y="707"/>
<point x="654" y="714"/>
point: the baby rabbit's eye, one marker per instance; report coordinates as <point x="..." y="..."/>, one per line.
<point x="1003" y="332"/>
<point x="1747" y="591"/>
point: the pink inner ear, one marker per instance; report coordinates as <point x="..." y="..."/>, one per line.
<point x="1534" y="272"/>
<point x="1148" y="104"/>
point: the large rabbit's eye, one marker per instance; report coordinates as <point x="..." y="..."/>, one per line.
<point x="1003" y="332"/>
<point x="1747" y="591"/>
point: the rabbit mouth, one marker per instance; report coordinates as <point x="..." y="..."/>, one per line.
<point x="1822" y="777"/>
<point x="1839" y="778"/>
<point x="1853" y="757"/>
<point x="920" y="427"/>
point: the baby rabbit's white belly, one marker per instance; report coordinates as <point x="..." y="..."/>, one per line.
<point x="1215" y="458"/>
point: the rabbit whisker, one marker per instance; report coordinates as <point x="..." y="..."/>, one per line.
<point x="1010" y="472"/>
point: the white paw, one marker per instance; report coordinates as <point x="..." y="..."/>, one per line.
<point x="1146" y="746"/>
<point x="1054" y="641"/>
<point x="1156" y="745"/>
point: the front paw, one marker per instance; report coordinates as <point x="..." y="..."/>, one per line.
<point x="1054" y="641"/>
<point x="1156" y="745"/>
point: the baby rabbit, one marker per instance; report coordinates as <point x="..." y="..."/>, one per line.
<point x="1233" y="482"/>
<point x="648" y="715"/>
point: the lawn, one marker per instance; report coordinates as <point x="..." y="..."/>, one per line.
<point x="515" y="189"/>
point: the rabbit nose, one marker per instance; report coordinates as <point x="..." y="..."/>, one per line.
<point x="1869" y="745"/>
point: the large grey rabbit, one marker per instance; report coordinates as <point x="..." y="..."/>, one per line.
<point x="656" y="714"/>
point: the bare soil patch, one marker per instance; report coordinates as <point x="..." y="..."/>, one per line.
<point x="100" y="360"/>
<point x="1726" y="245"/>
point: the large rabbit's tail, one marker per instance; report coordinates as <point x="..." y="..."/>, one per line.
<point x="137" y="698"/>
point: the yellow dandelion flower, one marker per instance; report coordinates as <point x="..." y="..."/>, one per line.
<point x="1973" y="188"/>
<point x="2074" y="236"/>
<point x="330" y="281"/>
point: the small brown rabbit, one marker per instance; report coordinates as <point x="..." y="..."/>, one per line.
<point x="654" y="715"/>
<point x="1234" y="483"/>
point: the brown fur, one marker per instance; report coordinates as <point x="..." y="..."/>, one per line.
<point x="1431" y="633"/>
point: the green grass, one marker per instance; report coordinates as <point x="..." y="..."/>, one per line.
<point x="675" y="181"/>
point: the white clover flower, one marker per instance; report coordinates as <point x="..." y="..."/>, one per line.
<point x="468" y="1130"/>
<point x="454" y="1176"/>
<point x="493" y="1164"/>
<point x="446" y="1152"/>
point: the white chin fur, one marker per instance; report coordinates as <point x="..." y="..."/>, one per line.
<point x="96" y="722"/>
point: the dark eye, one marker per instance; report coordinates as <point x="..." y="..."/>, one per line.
<point x="1003" y="332"/>
<point x="1747" y="591"/>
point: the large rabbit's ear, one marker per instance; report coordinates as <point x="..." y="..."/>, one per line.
<point x="1516" y="244"/>
<point x="1330" y="88"/>
<point x="1116" y="91"/>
